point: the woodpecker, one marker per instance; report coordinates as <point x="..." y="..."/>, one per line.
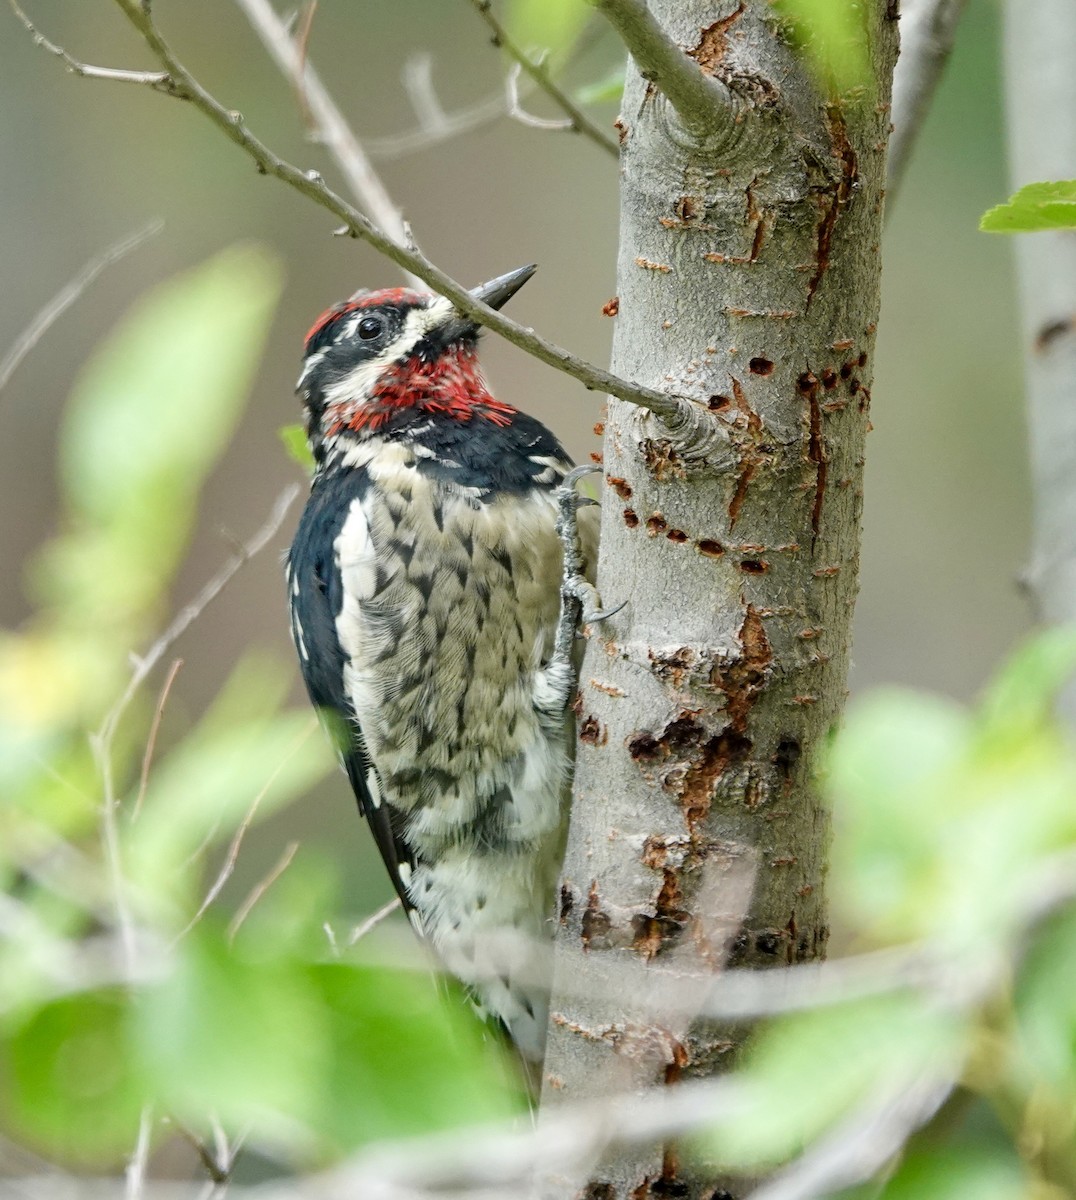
<point x="433" y="608"/>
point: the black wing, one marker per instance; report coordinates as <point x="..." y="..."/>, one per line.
<point x="315" y="596"/>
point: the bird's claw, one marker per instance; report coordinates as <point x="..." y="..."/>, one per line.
<point x="579" y="599"/>
<point x="593" y="616"/>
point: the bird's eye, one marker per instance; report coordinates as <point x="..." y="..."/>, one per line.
<point x="369" y="327"/>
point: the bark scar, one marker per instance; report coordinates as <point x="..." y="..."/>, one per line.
<point x="713" y="43"/>
<point x="816" y="449"/>
<point x="753" y="455"/>
<point x="836" y="196"/>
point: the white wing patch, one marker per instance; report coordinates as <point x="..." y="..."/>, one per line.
<point x="373" y="786"/>
<point x="355" y="557"/>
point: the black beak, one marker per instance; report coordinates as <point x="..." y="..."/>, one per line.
<point x="499" y="291"/>
<point x="496" y="293"/>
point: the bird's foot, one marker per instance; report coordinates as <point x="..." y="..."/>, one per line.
<point x="579" y="599"/>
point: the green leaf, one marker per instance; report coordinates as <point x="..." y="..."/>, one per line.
<point x="602" y="91"/>
<point x="940" y="830"/>
<point x="67" y="1083"/>
<point x="1034" y="207"/>
<point x="296" y="446"/>
<point x="242" y="750"/>
<point x="1022" y="696"/>
<point x="243" y="1039"/>
<point x="832" y="35"/>
<point x="149" y="416"/>
<point x="807" y="1072"/>
<point x="405" y="1059"/>
<point x="550" y="25"/>
<point x="977" y="1172"/>
<point x="315" y="1057"/>
<point x="1046" y="1004"/>
<point x="204" y="790"/>
<point x="884" y="771"/>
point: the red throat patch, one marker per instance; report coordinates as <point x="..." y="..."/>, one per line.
<point x="451" y="385"/>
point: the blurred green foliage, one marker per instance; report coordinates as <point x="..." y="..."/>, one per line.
<point x="955" y="851"/>
<point x="955" y="835"/>
<point x="547" y="26"/>
<point x="832" y="35"/>
<point x="122" y="987"/>
<point x="293" y="438"/>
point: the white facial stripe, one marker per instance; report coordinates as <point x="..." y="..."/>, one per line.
<point x="421" y="320"/>
<point x="308" y="366"/>
<point x="361" y="379"/>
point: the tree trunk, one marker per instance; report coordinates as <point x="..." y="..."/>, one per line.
<point x="1040" y="49"/>
<point x="748" y="281"/>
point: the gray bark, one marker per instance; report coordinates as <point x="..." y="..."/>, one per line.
<point x="1040" y="50"/>
<point x="748" y="280"/>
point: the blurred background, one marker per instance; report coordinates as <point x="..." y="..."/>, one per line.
<point x="86" y="162"/>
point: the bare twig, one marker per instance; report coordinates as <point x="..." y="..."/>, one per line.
<point x="927" y="34"/>
<point x="536" y="69"/>
<point x="567" y="1139"/>
<point x="192" y="611"/>
<point x="135" y="1175"/>
<point x="69" y="293"/>
<point x="227" y="867"/>
<point x="261" y="888"/>
<point x="372" y="921"/>
<point x="328" y="124"/>
<point x="700" y="100"/>
<point x="304" y="23"/>
<point x="217" y="1166"/>
<point x="155" y="79"/>
<point x="518" y="113"/>
<point x="151" y="740"/>
<point x="687" y="421"/>
<point x="858" y="1148"/>
<point x="101" y="741"/>
<point x="230" y="859"/>
<point x="434" y="124"/>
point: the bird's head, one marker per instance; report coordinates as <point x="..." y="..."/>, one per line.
<point x="385" y="356"/>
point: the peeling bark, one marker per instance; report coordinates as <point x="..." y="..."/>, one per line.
<point x="749" y="282"/>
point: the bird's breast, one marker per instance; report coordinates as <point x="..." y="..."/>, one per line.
<point x="449" y="603"/>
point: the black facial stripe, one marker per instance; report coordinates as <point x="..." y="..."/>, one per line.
<point x="333" y="329"/>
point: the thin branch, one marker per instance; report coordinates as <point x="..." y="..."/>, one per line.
<point x="329" y="126"/>
<point x="227" y="867"/>
<point x="135" y="1175"/>
<point x="434" y="124"/>
<point x="371" y="922"/>
<point x="304" y="24"/>
<point x="261" y="888"/>
<point x="217" y="1167"/>
<point x="700" y="100"/>
<point x="567" y="1139"/>
<point x="686" y="420"/>
<point x="857" y="1149"/>
<point x="927" y="34"/>
<point x="230" y="859"/>
<point x="577" y="120"/>
<point x="518" y="113"/>
<point x="70" y="292"/>
<point x="154" y="79"/>
<point x="192" y="611"/>
<point x="151" y="740"/>
<point x="101" y="741"/>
